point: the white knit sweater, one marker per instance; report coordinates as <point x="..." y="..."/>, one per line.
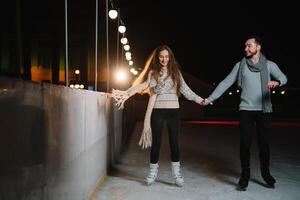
<point x="163" y="95"/>
<point x="166" y="92"/>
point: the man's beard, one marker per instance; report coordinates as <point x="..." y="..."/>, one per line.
<point x="250" y="55"/>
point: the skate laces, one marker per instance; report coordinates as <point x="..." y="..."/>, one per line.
<point x="152" y="173"/>
<point x="177" y="173"/>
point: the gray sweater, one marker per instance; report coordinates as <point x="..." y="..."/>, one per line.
<point x="251" y="94"/>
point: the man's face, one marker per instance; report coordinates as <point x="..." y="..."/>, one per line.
<point x="251" y="48"/>
<point x="163" y="57"/>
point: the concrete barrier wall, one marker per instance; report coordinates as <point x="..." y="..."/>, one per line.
<point x="56" y="142"/>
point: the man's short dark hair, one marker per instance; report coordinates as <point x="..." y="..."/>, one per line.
<point x="257" y="39"/>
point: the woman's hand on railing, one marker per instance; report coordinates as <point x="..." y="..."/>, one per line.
<point x="120" y="97"/>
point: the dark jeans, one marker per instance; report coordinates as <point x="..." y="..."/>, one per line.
<point x="158" y="118"/>
<point x="262" y="121"/>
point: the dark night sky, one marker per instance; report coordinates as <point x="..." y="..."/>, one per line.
<point x="208" y="39"/>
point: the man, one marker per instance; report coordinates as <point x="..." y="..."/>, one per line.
<point x="253" y="75"/>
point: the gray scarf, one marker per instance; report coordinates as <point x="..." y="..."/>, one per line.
<point x="261" y="67"/>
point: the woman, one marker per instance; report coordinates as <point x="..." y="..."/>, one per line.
<point x="162" y="79"/>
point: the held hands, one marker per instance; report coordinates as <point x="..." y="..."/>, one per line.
<point x="205" y="102"/>
<point x="272" y="84"/>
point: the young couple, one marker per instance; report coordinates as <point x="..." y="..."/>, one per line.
<point x="162" y="79"/>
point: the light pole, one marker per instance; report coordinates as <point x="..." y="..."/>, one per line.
<point x="113" y="14"/>
<point x="107" y="51"/>
<point x="118" y="45"/>
<point x="66" y="43"/>
<point x="96" y="47"/>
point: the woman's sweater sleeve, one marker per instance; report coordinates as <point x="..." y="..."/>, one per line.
<point x="140" y="87"/>
<point x="187" y="92"/>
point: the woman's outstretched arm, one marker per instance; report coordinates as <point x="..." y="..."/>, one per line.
<point x="121" y="96"/>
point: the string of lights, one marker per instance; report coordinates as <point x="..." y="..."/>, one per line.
<point x="121" y="74"/>
<point x="114" y="13"/>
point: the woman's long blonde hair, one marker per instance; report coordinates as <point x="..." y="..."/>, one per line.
<point x="153" y="65"/>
